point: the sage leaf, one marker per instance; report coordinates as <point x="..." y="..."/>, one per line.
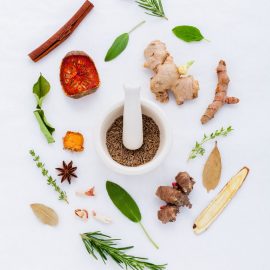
<point x="45" y="127"/>
<point x="212" y="169"/>
<point x="118" y="46"/>
<point x="188" y="33"/>
<point x="123" y="201"/>
<point x="40" y="89"/>
<point x="45" y="214"/>
<point x="127" y="206"/>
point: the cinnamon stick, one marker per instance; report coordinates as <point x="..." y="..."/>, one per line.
<point x="62" y="34"/>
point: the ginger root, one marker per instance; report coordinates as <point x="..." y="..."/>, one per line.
<point x="175" y="197"/>
<point x="73" y="141"/>
<point x="167" y="76"/>
<point x="221" y="94"/>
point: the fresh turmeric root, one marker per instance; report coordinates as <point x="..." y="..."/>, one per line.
<point x="73" y="141"/>
<point x="221" y="94"/>
<point x="167" y="76"/>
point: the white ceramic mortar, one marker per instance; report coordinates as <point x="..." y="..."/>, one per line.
<point x="148" y="108"/>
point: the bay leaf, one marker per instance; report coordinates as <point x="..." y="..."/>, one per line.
<point x="45" y="214"/>
<point x="212" y="170"/>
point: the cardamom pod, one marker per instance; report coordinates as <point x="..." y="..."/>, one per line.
<point x="45" y="214"/>
<point x="212" y="169"/>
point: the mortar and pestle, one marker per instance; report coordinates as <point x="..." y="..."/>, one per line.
<point x="132" y="109"/>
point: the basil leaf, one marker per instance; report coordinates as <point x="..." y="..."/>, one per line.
<point x="45" y="127"/>
<point x="123" y="201"/>
<point x="40" y="89"/>
<point x="118" y="46"/>
<point x="188" y="33"/>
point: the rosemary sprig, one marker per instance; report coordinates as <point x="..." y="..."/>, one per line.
<point x="199" y="150"/>
<point x="153" y="7"/>
<point x="104" y="245"/>
<point x="50" y="180"/>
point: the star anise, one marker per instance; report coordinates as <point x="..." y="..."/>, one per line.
<point x="67" y="172"/>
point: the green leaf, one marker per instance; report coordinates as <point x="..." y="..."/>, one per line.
<point x="188" y="33"/>
<point x="40" y="89"/>
<point x="45" y="127"/>
<point x="123" y="201"/>
<point x="118" y="46"/>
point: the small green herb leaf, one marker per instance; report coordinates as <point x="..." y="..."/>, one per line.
<point x="188" y="33"/>
<point x="45" y="127"/>
<point x="123" y="201"/>
<point x="198" y="148"/>
<point x="117" y="47"/>
<point x="40" y="89"/>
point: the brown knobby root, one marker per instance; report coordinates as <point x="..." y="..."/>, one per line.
<point x="168" y="213"/>
<point x="221" y="94"/>
<point x="185" y="182"/>
<point x="175" y="197"/>
<point x="172" y="196"/>
<point x="167" y="76"/>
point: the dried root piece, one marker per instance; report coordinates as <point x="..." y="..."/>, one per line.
<point x="172" y="196"/>
<point x="185" y="182"/>
<point x="218" y="204"/>
<point x="78" y="75"/>
<point x="168" y="213"/>
<point x="73" y="141"/>
<point x="167" y="76"/>
<point x="175" y="197"/>
<point x="221" y="94"/>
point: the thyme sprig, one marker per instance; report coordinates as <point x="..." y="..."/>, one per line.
<point x="50" y="180"/>
<point x="104" y="245"/>
<point x="199" y="150"/>
<point x="153" y="7"/>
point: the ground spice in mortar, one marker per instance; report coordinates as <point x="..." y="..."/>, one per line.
<point x="133" y="158"/>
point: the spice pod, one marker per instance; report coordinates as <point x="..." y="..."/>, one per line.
<point x="150" y="110"/>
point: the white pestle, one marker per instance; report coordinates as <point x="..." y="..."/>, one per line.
<point x="132" y="122"/>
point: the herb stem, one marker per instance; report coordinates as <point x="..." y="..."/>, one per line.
<point x="97" y="243"/>
<point x="148" y="236"/>
<point x="50" y="181"/>
<point x="198" y="148"/>
<point x="135" y="27"/>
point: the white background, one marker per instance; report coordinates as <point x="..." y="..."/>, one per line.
<point x="238" y="32"/>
